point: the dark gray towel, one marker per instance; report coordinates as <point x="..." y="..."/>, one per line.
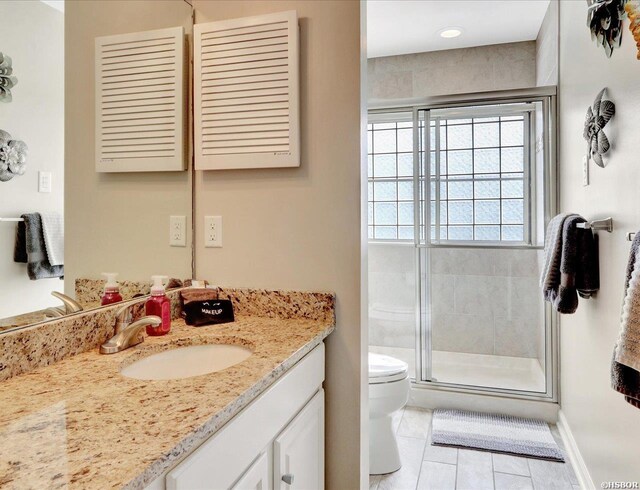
<point x="30" y="249"/>
<point x="579" y="270"/>
<point x="625" y="379"/>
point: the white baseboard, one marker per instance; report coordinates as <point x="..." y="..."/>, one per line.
<point x="579" y="466"/>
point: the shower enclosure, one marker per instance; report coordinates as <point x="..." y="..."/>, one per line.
<point x="460" y="191"/>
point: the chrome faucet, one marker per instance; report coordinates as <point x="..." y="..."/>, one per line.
<point x="129" y="335"/>
<point x="54" y="312"/>
<point x="70" y="306"/>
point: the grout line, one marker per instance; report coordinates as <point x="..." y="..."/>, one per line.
<point x="530" y="474"/>
<point x="493" y="472"/>
<point x="424" y="447"/>
<point x="421" y="462"/>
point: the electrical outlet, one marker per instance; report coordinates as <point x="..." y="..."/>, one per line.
<point x="213" y="231"/>
<point x="44" y="181"/>
<point x="178" y="231"/>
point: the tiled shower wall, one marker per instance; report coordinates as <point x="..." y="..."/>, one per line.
<point x="484" y="301"/>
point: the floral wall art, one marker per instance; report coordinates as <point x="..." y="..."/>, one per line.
<point x="13" y="157"/>
<point x="633" y="12"/>
<point x="605" y="21"/>
<point x="7" y="80"/>
<point x="597" y="118"/>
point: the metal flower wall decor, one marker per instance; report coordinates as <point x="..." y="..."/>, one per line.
<point x="7" y="81"/>
<point x="13" y="157"/>
<point x="605" y="21"/>
<point x="597" y="118"/>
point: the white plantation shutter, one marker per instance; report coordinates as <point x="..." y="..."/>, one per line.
<point x="140" y="98"/>
<point x="246" y="93"/>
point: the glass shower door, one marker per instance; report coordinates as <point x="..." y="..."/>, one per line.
<point x="484" y="177"/>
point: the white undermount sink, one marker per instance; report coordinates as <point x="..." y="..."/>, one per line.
<point x="185" y="362"/>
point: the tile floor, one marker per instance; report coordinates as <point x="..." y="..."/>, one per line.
<point x="427" y="467"/>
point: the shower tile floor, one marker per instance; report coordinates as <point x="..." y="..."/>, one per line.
<point x="517" y="373"/>
<point x="426" y="467"/>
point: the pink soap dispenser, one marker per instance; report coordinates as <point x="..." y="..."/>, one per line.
<point x="159" y="305"/>
<point x="111" y="289"/>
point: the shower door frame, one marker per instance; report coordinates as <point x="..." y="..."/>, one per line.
<point x="548" y="97"/>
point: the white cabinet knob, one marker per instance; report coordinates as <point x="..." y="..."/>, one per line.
<point x="288" y="479"/>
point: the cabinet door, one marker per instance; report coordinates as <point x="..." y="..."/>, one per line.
<point x="256" y="477"/>
<point x="299" y="449"/>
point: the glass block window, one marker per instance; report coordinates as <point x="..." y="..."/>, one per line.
<point x="390" y="193"/>
<point x="477" y="176"/>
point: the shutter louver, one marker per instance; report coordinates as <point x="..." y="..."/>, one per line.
<point x="140" y="96"/>
<point x="247" y="93"/>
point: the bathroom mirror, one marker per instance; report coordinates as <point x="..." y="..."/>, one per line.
<point x="112" y="222"/>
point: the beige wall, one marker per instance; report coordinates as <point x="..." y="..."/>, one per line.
<point x="32" y="34"/>
<point x="300" y="228"/>
<point x="453" y="71"/>
<point x="116" y="222"/>
<point x="606" y="428"/>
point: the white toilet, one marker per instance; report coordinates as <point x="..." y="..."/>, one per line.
<point x="388" y="393"/>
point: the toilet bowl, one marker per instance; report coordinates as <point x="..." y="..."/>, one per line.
<point x="388" y="393"/>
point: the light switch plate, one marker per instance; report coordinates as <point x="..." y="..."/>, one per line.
<point x="44" y="181"/>
<point x="585" y="171"/>
<point x="178" y="231"/>
<point x="213" y="231"/>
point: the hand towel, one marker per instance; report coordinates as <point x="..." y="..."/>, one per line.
<point x="552" y="253"/>
<point x="30" y="249"/>
<point x="571" y="262"/>
<point x="53" y="231"/>
<point x="625" y="367"/>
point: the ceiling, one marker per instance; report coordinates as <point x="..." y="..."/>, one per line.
<point x="413" y="26"/>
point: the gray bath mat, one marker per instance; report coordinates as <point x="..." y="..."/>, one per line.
<point x="501" y="433"/>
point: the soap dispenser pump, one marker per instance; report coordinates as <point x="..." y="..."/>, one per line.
<point x="159" y="305"/>
<point x="111" y="289"/>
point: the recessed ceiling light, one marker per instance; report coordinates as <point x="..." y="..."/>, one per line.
<point x="450" y="32"/>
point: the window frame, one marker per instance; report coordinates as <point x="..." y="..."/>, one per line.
<point x="466" y="112"/>
<point x="382" y="118"/>
<point x="533" y="205"/>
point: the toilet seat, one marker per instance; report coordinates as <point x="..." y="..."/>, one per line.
<point x="385" y="369"/>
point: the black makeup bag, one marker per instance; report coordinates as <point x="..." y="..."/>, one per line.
<point x="208" y="312"/>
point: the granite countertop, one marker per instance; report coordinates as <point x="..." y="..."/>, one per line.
<point x="79" y="423"/>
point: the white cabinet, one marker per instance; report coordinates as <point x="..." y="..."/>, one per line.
<point x="299" y="449"/>
<point x="257" y="476"/>
<point x="279" y="434"/>
<point x="246" y="81"/>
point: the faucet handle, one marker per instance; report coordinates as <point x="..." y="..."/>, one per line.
<point x="124" y="317"/>
<point x="129" y="336"/>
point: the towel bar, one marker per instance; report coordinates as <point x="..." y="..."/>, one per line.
<point x="12" y="219"/>
<point x="605" y="224"/>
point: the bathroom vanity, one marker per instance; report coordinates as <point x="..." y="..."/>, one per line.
<point x="81" y="423"/>
<point x="278" y="438"/>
